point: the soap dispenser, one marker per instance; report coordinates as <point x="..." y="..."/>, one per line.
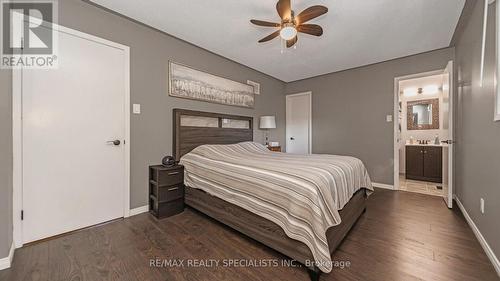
<point x="436" y="140"/>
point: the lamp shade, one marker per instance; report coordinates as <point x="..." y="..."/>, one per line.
<point x="267" y="122"/>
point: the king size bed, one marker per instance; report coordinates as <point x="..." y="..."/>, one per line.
<point x="300" y="205"/>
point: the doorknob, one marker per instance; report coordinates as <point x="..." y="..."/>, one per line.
<point x="292" y="138"/>
<point x="114" y="142"/>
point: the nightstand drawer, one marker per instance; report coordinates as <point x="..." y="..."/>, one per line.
<point x="169" y="177"/>
<point x="168" y="193"/>
<point x="275" y="148"/>
<point x="166" y="209"/>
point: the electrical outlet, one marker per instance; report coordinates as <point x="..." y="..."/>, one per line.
<point x="482" y="205"/>
<point x="388" y="118"/>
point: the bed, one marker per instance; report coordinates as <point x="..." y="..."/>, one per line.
<point x="250" y="189"/>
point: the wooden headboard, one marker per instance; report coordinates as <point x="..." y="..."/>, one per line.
<point x="188" y="137"/>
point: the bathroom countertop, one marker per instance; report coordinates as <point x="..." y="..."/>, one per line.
<point x="430" y="144"/>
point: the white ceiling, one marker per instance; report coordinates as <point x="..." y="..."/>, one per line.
<point x="356" y="32"/>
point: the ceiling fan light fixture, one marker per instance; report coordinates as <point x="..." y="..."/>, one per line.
<point x="288" y="32"/>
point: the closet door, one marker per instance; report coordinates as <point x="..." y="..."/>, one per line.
<point x="74" y="171"/>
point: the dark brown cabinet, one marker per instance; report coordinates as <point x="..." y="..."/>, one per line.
<point x="424" y="163"/>
<point x="166" y="190"/>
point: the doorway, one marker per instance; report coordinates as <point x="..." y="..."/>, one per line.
<point x="299" y="123"/>
<point x="71" y="146"/>
<point x="423" y="133"/>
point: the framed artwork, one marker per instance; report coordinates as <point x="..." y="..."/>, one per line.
<point x="497" y="94"/>
<point x="189" y="83"/>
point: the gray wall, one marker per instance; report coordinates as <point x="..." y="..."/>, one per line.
<point x="478" y="145"/>
<point x="350" y="107"/>
<point x="5" y="162"/>
<point x="151" y="132"/>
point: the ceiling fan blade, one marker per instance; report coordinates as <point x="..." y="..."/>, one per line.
<point x="270" y="36"/>
<point x="284" y="9"/>
<point x="312" y="29"/>
<point x="291" y="42"/>
<point x="265" y="23"/>
<point x="311" y="13"/>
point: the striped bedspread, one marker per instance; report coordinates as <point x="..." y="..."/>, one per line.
<point x="300" y="193"/>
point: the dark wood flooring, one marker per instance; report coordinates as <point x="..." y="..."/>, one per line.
<point x="402" y="236"/>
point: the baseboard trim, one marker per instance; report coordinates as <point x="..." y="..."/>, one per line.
<point x="139" y="210"/>
<point x="7" y="261"/>
<point x="486" y="247"/>
<point x="383" y="185"/>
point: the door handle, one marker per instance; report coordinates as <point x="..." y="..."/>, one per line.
<point x="292" y="138"/>
<point x="114" y="142"/>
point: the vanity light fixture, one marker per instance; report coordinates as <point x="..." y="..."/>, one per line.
<point x="410" y="92"/>
<point x="430" y="90"/>
<point x="427" y="90"/>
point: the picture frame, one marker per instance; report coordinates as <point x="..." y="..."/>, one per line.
<point x="411" y="117"/>
<point x="255" y="85"/>
<point x="496" y="116"/>
<point x="190" y="83"/>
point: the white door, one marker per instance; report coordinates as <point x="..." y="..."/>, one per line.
<point x="72" y="176"/>
<point x="448" y="127"/>
<point x="299" y="123"/>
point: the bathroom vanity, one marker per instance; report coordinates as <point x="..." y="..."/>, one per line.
<point x="424" y="162"/>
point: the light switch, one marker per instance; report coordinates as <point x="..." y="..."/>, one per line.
<point x="388" y="118"/>
<point x="136" y="108"/>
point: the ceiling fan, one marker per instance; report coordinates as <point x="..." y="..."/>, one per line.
<point x="290" y="24"/>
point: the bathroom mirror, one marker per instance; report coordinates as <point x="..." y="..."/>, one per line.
<point x="423" y="114"/>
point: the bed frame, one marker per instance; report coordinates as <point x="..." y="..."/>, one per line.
<point x="186" y="138"/>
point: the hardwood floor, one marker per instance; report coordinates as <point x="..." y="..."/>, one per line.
<point x="402" y="236"/>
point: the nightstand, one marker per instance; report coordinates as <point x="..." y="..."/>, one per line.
<point x="275" y="148"/>
<point x="166" y="190"/>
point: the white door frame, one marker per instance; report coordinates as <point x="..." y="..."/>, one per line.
<point x="396" y="117"/>
<point x="17" y="137"/>
<point x="309" y="93"/>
